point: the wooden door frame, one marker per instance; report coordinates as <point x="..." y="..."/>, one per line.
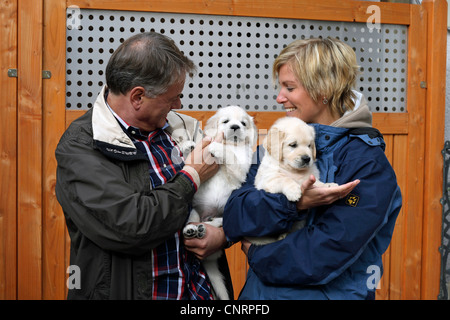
<point x="421" y="128"/>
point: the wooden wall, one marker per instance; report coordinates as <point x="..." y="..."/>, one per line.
<point x="33" y="240"/>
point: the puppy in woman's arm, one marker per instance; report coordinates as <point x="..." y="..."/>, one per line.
<point x="289" y="160"/>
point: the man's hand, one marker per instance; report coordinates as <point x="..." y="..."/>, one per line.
<point x="202" y="161"/>
<point x="213" y="241"/>
<point x="313" y="196"/>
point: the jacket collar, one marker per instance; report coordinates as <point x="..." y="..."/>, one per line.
<point x="105" y="127"/>
<point x="359" y="117"/>
<point x="327" y="136"/>
<point x="107" y="130"/>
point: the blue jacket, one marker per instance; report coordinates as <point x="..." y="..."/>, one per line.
<point x="337" y="255"/>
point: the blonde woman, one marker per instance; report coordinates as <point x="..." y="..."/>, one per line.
<point x="337" y="255"/>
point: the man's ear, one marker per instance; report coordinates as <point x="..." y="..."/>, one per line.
<point x="136" y="95"/>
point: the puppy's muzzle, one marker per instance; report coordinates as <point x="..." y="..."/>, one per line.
<point x="306" y="160"/>
<point x="302" y="162"/>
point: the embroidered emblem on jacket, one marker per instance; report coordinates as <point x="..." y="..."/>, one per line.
<point x="352" y="200"/>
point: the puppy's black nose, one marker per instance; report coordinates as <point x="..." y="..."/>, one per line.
<point x="306" y="159"/>
<point x="235" y="127"/>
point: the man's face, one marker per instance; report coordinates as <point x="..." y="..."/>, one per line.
<point x="153" y="111"/>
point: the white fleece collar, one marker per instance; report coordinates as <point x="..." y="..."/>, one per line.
<point x="105" y="127"/>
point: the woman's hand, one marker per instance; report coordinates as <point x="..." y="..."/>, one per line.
<point x="245" y="245"/>
<point x="313" y="196"/>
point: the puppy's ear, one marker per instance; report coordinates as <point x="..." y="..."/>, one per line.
<point x="313" y="142"/>
<point x="274" y="143"/>
<point x="212" y="126"/>
<point x="252" y="132"/>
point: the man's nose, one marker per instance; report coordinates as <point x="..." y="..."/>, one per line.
<point x="176" y="104"/>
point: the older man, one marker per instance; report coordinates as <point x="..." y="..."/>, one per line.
<point x="125" y="184"/>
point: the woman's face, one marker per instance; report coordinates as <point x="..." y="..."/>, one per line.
<point x="298" y="103"/>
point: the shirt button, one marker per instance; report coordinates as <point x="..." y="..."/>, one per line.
<point x="327" y="138"/>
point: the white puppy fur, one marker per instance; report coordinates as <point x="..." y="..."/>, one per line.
<point x="288" y="162"/>
<point x="234" y="155"/>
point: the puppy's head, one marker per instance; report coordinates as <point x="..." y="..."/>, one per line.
<point x="290" y="141"/>
<point x="235" y="124"/>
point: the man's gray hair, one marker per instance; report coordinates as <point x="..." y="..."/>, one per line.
<point x="150" y="60"/>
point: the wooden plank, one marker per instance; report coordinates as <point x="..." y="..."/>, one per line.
<point x="399" y="161"/>
<point x="29" y="151"/>
<point x="237" y="262"/>
<point x="53" y="250"/>
<point x="412" y="250"/>
<point x="8" y="147"/>
<point x="391" y="123"/>
<point x="435" y="127"/>
<point x="383" y="292"/>
<point x="327" y="10"/>
<point x="387" y="123"/>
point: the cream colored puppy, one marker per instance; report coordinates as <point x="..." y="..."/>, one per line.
<point x="234" y="155"/>
<point x="288" y="162"/>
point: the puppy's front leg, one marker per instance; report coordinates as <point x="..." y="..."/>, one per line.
<point x="216" y="222"/>
<point x="289" y="188"/>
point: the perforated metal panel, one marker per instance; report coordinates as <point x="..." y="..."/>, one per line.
<point x="234" y="55"/>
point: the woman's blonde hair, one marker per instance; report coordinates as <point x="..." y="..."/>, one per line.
<point x="326" y="68"/>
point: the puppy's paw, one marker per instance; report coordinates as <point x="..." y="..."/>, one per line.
<point x="190" y="231"/>
<point x="194" y="231"/>
<point x="216" y="149"/>
<point x="186" y="147"/>
<point x="293" y="194"/>
<point x="331" y="184"/>
<point x="201" y="231"/>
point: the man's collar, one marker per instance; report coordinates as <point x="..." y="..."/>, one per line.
<point x="131" y="130"/>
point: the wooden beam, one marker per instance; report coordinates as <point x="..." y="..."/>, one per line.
<point x="53" y="222"/>
<point x="413" y="212"/>
<point x="325" y="10"/>
<point x="434" y="143"/>
<point x="29" y="164"/>
<point x="8" y="147"/>
<point x="387" y="123"/>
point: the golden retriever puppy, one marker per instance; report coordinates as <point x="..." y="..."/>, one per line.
<point x="289" y="161"/>
<point x="234" y="155"/>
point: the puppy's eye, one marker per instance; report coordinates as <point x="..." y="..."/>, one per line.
<point x="309" y="145"/>
<point x="293" y="145"/>
<point x="243" y="123"/>
<point x="225" y="121"/>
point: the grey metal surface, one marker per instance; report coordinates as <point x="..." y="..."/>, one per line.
<point x="234" y="55"/>
<point x="444" y="249"/>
